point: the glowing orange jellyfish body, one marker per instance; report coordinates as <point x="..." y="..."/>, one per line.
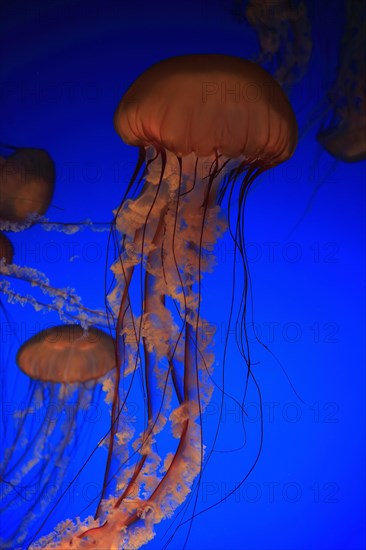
<point x="67" y="354"/>
<point x="65" y="366"/>
<point x="205" y="137"/>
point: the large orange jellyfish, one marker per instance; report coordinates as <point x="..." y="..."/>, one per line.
<point x="66" y="367"/>
<point x="206" y="125"/>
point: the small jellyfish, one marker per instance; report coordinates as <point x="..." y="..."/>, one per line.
<point x="67" y="354"/>
<point x="26" y="187"/>
<point x="347" y="141"/>
<point x="66" y="368"/>
<point x="27" y="179"/>
<point x="207" y="126"/>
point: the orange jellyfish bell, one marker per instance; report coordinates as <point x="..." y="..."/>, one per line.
<point x="67" y="354"/>
<point x="206" y="104"/>
<point x="26" y="184"/>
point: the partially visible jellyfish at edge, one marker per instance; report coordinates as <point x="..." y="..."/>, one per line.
<point x="66" y="368"/>
<point x="343" y="133"/>
<point x="199" y="151"/>
<point x="27" y="180"/>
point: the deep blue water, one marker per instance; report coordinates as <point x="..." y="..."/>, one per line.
<point x="65" y="66"/>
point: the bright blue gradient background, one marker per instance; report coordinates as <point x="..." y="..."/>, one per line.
<point x="64" y="68"/>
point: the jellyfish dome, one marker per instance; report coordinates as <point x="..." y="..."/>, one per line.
<point x="206" y="126"/>
<point x="204" y="104"/>
<point x="27" y="179"/>
<point x="67" y="354"/>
